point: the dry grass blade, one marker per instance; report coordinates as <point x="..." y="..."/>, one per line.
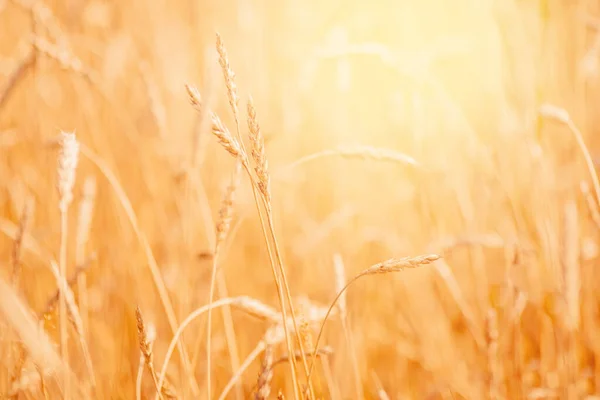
<point x="84" y="223"/>
<point x="391" y="265"/>
<point x="360" y="152"/>
<point x="65" y="290"/>
<point x="340" y="282"/>
<point x="591" y="203"/>
<point x="15" y="77"/>
<point x="18" y="242"/>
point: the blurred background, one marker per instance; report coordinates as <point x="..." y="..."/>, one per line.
<point x="456" y="85"/>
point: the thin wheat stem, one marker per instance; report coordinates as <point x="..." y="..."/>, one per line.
<point x="241" y="302"/>
<point x="278" y="285"/>
<point x="392" y="265"/>
<point x="222" y="230"/>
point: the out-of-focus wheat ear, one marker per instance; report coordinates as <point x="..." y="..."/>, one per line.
<point x="67" y="166"/>
<point x="226" y="209"/>
<point x="17" y="244"/>
<point x="265" y="375"/>
<point x="258" y="153"/>
<point x="65" y="58"/>
<point x="381" y="393"/>
<point x="150" y="337"/>
<point x="15" y="77"/>
<point x="494" y="366"/>
<point x="157" y="106"/>
<point x="84" y="223"/>
<point x="229" y="76"/>
<point x="391" y="265"/>
<point x="146" y="348"/>
<point x="66" y="291"/>
<point x="400" y="264"/>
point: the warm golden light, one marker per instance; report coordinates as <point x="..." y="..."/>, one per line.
<point x="410" y="185"/>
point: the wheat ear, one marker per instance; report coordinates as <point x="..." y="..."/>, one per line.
<point x="146" y="348"/>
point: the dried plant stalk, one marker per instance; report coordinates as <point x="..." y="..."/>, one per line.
<point x="391" y="265"/>
<point x="65" y="291"/>
<point x="591" y="203"/>
<point x="67" y="165"/>
<point x="361" y="152"/>
<point x="84" y="222"/>
<point x="494" y="365"/>
<point x="222" y="229"/>
<point x="561" y="115"/>
<point x="340" y="282"/>
<point x="17" y="244"/>
<point x="15" y="77"/>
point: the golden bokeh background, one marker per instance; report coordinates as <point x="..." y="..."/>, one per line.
<point x="456" y="85"/>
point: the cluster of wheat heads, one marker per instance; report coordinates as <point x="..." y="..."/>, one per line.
<point x="288" y="325"/>
<point x="256" y="168"/>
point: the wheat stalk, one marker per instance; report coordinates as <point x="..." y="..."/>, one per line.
<point x="18" y="242"/>
<point x="562" y="116"/>
<point x="65" y="290"/>
<point x="84" y="223"/>
<point x="363" y="152"/>
<point x="222" y="229"/>
<point x="391" y="265"/>
<point x="67" y="165"/>
<point x="340" y="282"/>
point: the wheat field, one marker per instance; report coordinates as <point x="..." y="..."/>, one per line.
<point x="299" y="199"/>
